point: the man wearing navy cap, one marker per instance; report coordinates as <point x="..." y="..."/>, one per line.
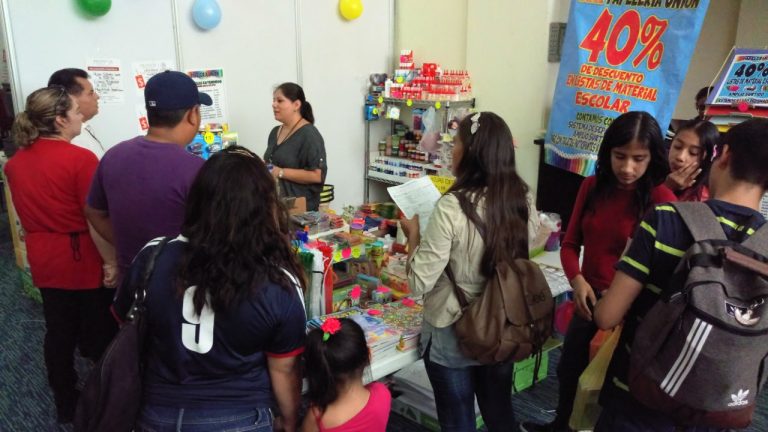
<point x="140" y="187"/>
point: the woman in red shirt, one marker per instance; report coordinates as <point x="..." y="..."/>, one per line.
<point x="49" y="180"/>
<point x="631" y="165"/>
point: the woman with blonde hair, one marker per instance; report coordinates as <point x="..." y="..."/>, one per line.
<point x="49" y="180"/>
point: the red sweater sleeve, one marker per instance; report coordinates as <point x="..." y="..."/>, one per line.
<point x="662" y="194"/>
<point x="571" y="247"/>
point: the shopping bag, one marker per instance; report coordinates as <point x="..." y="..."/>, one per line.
<point x="586" y="408"/>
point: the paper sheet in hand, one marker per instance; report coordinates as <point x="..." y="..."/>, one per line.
<point x="416" y="197"/>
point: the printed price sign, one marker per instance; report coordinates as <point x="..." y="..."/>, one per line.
<point x="442" y="183"/>
<point x="618" y="56"/>
<point x="745" y="81"/>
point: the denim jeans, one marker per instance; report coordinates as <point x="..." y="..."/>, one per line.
<point x="166" y="419"/>
<point x="455" y="390"/>
<point x="615" y="420"/>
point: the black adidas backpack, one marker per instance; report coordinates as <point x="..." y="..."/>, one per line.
<point x="700" y="354"/>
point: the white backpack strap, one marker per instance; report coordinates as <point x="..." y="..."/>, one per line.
<point x="700" y="220"/>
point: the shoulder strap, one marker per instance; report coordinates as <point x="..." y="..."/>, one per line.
<point x="700" y="220"/>
<point x="149" y="267"/>
<point x="758" y="241"/>
<point x="456" y="290"/>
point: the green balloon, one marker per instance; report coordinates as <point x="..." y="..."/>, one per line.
<point x="95" y="7"/>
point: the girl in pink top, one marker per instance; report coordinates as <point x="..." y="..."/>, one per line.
<point x="336" y="355"/>
<point x="690" y="157"/>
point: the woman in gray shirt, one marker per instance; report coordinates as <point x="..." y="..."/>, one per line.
<point x="480" y="221"/>
<point x="295" y="148"/>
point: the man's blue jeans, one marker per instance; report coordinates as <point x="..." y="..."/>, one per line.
<point x="165" y="419"/>
<point x="455" y="390"/>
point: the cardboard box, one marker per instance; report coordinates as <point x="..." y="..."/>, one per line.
<point x="296" y="205"/>
<point x="429" y="421"/>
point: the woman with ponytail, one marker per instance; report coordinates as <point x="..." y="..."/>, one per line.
<point x="335" y="356"/>
<point x="295" y="148"/>
<point x="479" y="222"/>
<point x="49" y="179"/>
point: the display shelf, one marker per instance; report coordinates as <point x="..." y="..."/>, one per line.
<point x="345" y="228"/>
<point x="423" y="103"/>
<point x="387" y="178"/>
<point x="443" y="115"/>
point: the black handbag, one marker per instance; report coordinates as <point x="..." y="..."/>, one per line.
<point x="111" y="398"/>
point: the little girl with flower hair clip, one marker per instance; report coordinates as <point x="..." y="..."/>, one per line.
<point x="335" y="356"/>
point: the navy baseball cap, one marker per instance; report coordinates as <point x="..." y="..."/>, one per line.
<point x="172" y="90"/>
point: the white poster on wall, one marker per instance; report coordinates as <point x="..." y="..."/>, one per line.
<point x="5" y="76"/>
<point x="141" y="119"/>
<point x="211" y="81"/>
<point x="144" y="70"/>
<point x="107" y="78"/>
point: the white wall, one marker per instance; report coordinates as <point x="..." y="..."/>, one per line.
<point x="48" y="35"/>
<point x="337" y="57"/>
<point x="258" y="46"/>
<point x="715" y="42"/>
<point x="436" y="31"/>
<point x="506" y="56"/>
<point x="255" y="44"/>
<point x="753" y="24"/>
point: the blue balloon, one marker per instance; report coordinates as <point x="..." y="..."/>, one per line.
<point x="206" y="13"/>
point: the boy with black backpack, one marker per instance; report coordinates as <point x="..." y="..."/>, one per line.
<point x="691" y="292"/>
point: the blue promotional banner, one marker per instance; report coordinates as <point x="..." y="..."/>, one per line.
<point x="618" y="56"/>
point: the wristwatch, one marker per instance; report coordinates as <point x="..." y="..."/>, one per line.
<point x="281" y="173"/>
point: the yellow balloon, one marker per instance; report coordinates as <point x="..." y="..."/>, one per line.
<point x="350" y="9"/>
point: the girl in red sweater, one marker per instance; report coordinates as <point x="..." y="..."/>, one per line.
<point x="690" y="157"/>
<point x="631" y="165"/>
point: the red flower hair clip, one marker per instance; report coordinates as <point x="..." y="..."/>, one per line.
<point x="330" y="326"/>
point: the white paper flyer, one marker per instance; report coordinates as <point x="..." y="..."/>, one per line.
<point x="144" y="70"/>
<point x="141" y="119"/>
<point x="107" y="78"/>
<point x="211" y="81"/>
<point x="418" y="196"/>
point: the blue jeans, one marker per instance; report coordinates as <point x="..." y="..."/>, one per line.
<point x="614" y="420"/>
<point x="455" y="390"/>
<point x="165" y="419"/>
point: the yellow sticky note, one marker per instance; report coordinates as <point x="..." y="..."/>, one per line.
<point x="409" y="102"/>
<point x="438" y="105"/>
<point x="381" y="99"/>
<point x="208" y="137"/>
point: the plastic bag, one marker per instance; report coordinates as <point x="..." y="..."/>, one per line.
<point x="586" y="408"/>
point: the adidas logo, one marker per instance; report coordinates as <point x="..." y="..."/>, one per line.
<point x="739" y="398"/>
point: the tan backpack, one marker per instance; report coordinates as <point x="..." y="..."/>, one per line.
<point x="512" y="317"/>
